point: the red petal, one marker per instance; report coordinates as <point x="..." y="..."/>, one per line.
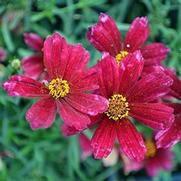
<point x="103" y="139"/>
<point x="137" y="34"/>
<point x="150" y="87"/>
<point x="34" y="41"/>
<point x="72" y="117"/>
<point x="176" y="86"/>
<point x="56" y="55"/>
<point x="154" y="115"/>
<point x="169" y="137"/>
<point x="68" y="130"/>
<point x="105" y="35"/>
<point x="78" y="59"/>
<point x="19" y="85"/>
<point x="132" y="66"/>
<point x="85" y="145"/>
<point x="42" y="113"/>
<point x="91" y="104"/>
<point x="108" y="76"/>
<point x="154" y="53"/>
<point x="153" y="167"/>
<point x="130" y="139"/>
<point x="32" y="66"/>
<point x="87" y="82"/>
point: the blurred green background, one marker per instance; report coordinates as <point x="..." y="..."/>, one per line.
<point x="45" y="155"/>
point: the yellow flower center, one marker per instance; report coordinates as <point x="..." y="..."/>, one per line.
<point x="120" y="56"/>
<point x="58" y="88"/>
<point x="151" y="148"/>
<point x="118" y="107"/>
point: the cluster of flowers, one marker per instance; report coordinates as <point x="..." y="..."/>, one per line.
<point x="127" y="87"/>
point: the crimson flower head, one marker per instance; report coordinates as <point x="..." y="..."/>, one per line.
<point x="155" y="160"/>
<point x="169" y="137"/>
<point x="66" y="90"/>
<point x="105" y="37"/>
<point x="129" y="97"/>
<point x="33" y="65"/>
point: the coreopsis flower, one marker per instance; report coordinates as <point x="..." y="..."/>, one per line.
<point x="106" y="37"/>
<point x="33" y="65"/>
<point x="155" y="160"/>
<point x="66" y="90"/>
<point x="129" y="96"/>
<point x="169" y="137"/>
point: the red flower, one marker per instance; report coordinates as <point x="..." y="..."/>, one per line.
<point x="65" y="90"/>
<point x="105" y="37"/>
<point x="129" y="96"/>
<point x="155" y="160"/>
<point x="169" y="137"/>
<point x="33" y="65"/>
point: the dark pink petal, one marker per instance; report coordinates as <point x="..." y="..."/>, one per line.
<point x="56" y="55"/>
<point x="72" y="117"/>
<point x="87" y="82"/>
<point x="76" y="64"/>
<point x="130" y="140"/>
<point x="42" y="113"/>
<point x="85" y="145"/>
<point x="153" y="167"/>
<point x="154" y="53"/>
<point x="150" y="87"/>
<point x="105" y="35"/>
<point x="103" y="139"/>
<point x="91" y="104"/>
<point x="33" y="66"/>
<point x="131" y="68"/>
<point x="19" y="85"/>
<point x="176" y="86"/>
<point x="154" y="115"/>
<point x="108" y="76"/>
<point x="68" y="130"/>
<point x="169" y="137"/>
<point x="3" y="54"/>
<point x="137" y="34"/>
<point x="176" y="107"/>
<point x="34" y="41"/>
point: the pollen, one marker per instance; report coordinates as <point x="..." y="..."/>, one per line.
<point x="151" y="148"/>
<point x="120" y="56"/>
<point x="58" y="88"/>
<point x="118" y="107"/>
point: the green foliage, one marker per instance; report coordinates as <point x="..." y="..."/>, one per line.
<point x="45" y="155"/>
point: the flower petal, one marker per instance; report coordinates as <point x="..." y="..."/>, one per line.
<point x="137" y="34"/>
<point x="85" y="145"/>
<point x="154" y="115"/>
<point x="56" y="55"/>
<point x="176" y="86"/>
<point x="68" y="130"/>
<point x="131" y="68"/>
<point x="169" y="137"/>
<point x="154" y="53"/>
<point x="42" y="113"/>
<point x="34" y="41"/>
<point x="150" y="87"/>
<point x="130" y="140"/>
<point x="105" y="35"/>
<point x="33" y="66"/>
<point x="91" y="104"/>
<point x="103" y="139"/>
<point x="108" y="76"/>
<point x="72" y="117"/>
<point x="19" y="85"/>
<point x="78" y="59"/>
